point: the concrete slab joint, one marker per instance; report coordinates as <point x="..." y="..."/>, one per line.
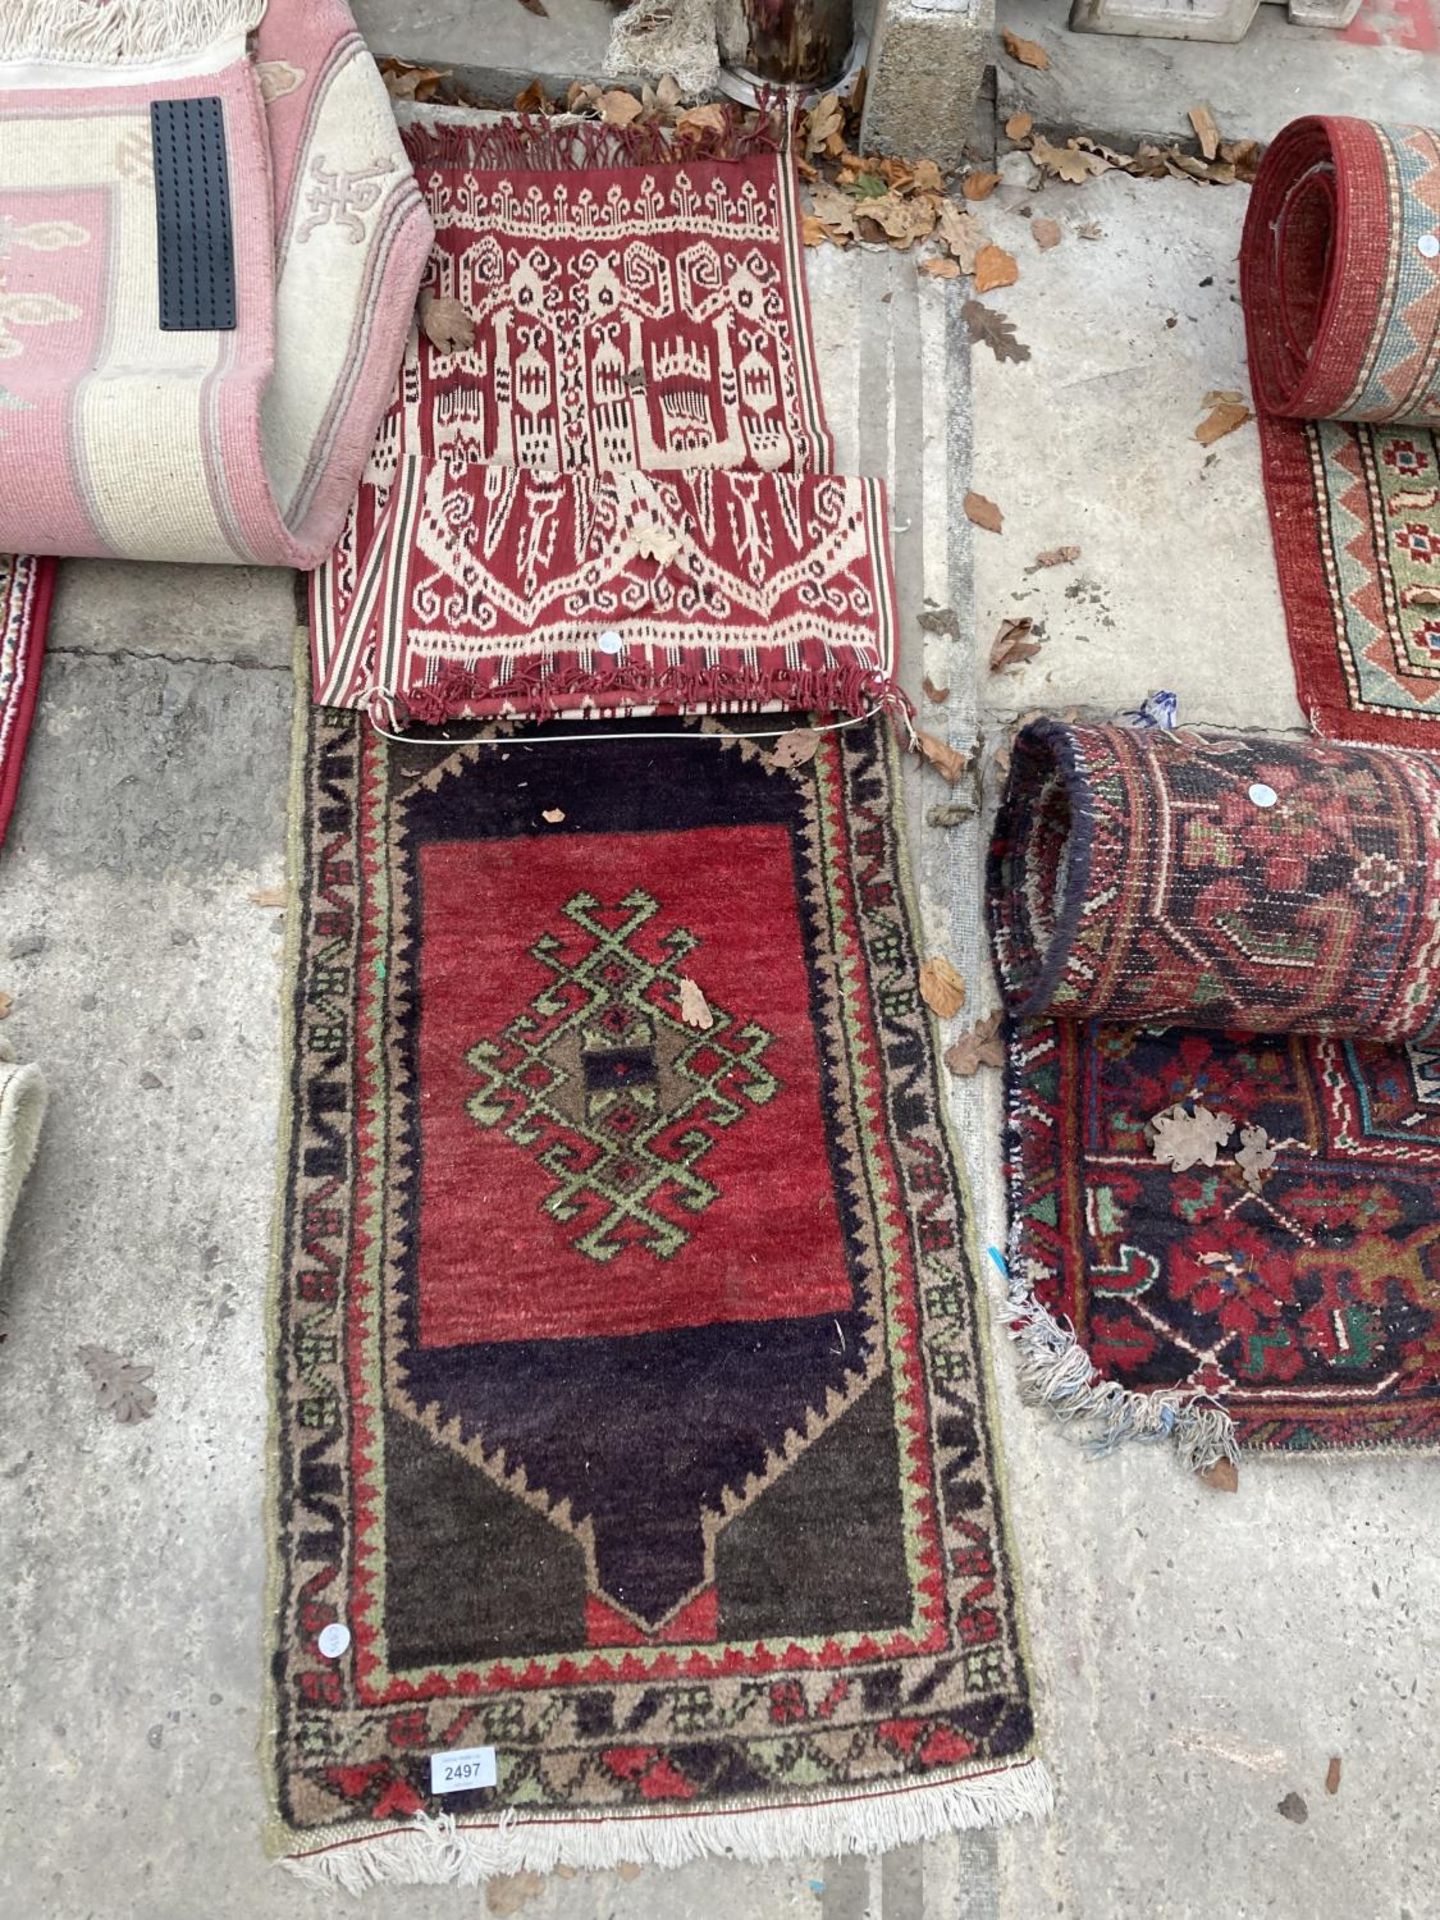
<point x="927" y="60"/>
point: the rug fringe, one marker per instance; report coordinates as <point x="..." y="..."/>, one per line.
<point x="440" y="1851"/>
<point x="119" y="33"/>
<point x="1058" y="1372"/>
<point x="543" y="143"/>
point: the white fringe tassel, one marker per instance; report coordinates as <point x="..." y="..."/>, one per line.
<point x="1056" y="1369"/>
<point x="119" y="33"/>
<point x="437" y="1851"/>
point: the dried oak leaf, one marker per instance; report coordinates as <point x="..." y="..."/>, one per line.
<point x="1255" y="1156"/>
<point x="793" y="749"/>
<point x="618" y="108"/>
<point x="1054" y="557"/>
<point x="532" y="99"/>
<point x="928" y="177"/>
<point x="834" y="208"/>
<point x="812" y="231"/>
<point x="507" y="1893"/>
<point x="405" y="82"/>
<point x="985" y="323"/>
<point x="941" y="987"/>
<point x="694" y="1007"/>
<point x="1069" y="162"/>
<point x="949" y="762"/>
<point x="697" y="121"/>
<point x="1182" y="1139"/>
<point x="1223" y="1476"/>
<point x="827" y="117"/>
<point x="1244" y="156"/>
<point x="980" y="185"/>
<point x="983" y="513"/>
<point x="1013" y="644"/>
<point x="979" y="1046"/>
<point x="1222" y="420"/>
<point x="937" y="696"/>
<point x="1207" y="132"/>
<point x="1047" y="232"/>
<point x="119" y="1384"/>
<point x="941" y="267"/>
<point x="1028" y="52"/>
<point x="994" y="267"/>
<point x="445" y="323"/>
<point x="1019" y="126"/>
<point x="962" y="233"/>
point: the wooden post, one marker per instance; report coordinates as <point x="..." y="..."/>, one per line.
<point x="799" y="42"/>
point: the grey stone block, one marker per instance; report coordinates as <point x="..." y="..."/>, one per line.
<point x="1166" y="19"/>
<point x="927" y="60"/>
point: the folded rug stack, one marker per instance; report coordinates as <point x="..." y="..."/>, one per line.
<point x="208" y="260"/>
<point x="618" y="497"/>
<point x="1221" y="958"/>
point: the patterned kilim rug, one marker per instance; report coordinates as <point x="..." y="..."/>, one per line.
<point x="633" y="1409"/>
<point x="26" y="586"/>
<point x="1341" y="282"/>
<point x="616" y="497"/>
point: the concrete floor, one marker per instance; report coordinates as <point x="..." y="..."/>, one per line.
<point x="1196" y="1657"/>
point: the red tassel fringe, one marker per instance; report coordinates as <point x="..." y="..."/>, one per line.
<point x="540" y="143"/>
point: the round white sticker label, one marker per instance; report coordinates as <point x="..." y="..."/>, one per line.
<point x="1262" y="795"/>
<point x="334" y="1639"/>
<point x="610" y="642"/>
<point x="1429" y="245"/>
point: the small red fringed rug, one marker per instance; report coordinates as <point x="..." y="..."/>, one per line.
<point x="1340" y="277"/>
<point x="618" y="499"/>
<point x="633" y="1410"/>
<point x="1277" y="1283"/>
<point x="26" y="586"/>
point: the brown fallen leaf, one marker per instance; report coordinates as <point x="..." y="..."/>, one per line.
<point x="618" y="108"/>
<point x="1067" y="162"/>
<point x="507" y="1893"/>
<point x="979" y="1046"/>
<point x="941" y="987"/>
<point x="994" y="267"/>
<point x="949" y="762"/>
<point x="1182" y="1139"/>
<point x="1202" y="119"/>
<point x="7" y="1004"/>
<point x="1220" y="421"/>
<point x="554" y="815"/>
<point x="979" y="186"/>
<point x="1054" y="557"/>
<point x="536" y="7"/>
<point x="827" y="117"/>
<point x="406" y="82"/>
<point x="445" y="323"/>
<point x="1332" y="1774"/>
<point x="694" y="1007"/>
<point x="119" y="1384"/>
<point x="998" y="333"/>
<point x="937" y="696"/>
<point x="1048" y="233"/>
<point x="269" y="897"/>
<point x="1019" y="126"/>
<point x="1028" y="52"/>
<point x="1223" y="397"/>
<point x="834" y="208"/>
<point x="1013" y="644"/>
<point x="939" y="267"/>
<point x="813" y="231"/>
<point x="1222" y="1475"/>
<point x="793" y="749"/>
<point x="983" y="513"/>
<point x="629" y="1870"/>
<point x="697" y="121"/>
<point x="1091" y="230"/>
<point x="1244" y="156"/>
<point x="1255" y="1156"/>
<point x="532" y="99"/>
<point x="961" y="232"/>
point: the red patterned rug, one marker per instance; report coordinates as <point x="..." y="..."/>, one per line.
<point x="633" y="1415"/>
<point x="1340" y="275"/>
<point x="1222" y="959"/>
<point x="26" y="587"/>
<point x="616" y="498"/>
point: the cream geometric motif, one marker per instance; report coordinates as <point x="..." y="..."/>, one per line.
<point x="341" y="195"/>
<point x="34" y="309"/>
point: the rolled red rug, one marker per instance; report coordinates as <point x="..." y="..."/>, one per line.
<point x="1218" y="880"/>
<point x="1340" y="280"/>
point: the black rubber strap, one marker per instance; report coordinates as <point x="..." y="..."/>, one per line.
<point x="192" y="214"/>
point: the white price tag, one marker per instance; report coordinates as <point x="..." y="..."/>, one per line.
<point x="462" y="1770"/>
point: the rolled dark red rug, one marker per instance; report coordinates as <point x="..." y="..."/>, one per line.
<point x="1219" y="880"/>
<point x="1221" y="955"/>
<point x="1340" y="280"/>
